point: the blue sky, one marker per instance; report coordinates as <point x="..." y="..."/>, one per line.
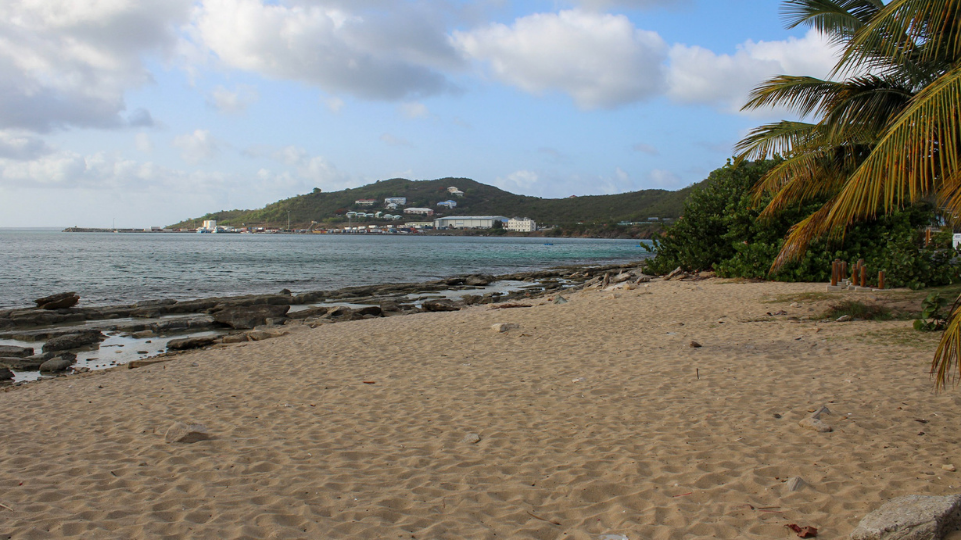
<point x="147" y="112"/>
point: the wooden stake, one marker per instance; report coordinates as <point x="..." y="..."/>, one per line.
<point x="864" y="276"/>
<point x="834" y="273"/>
<point x="881" y="279"/>
<point x="927" y="237"/>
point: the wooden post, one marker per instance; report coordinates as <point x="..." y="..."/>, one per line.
<point x="834" y="272"/>
<point x="844" y="269"/>
<point x="927" y="237"/>
<point x="881" y="279"/>
<point x="864" y="276"/>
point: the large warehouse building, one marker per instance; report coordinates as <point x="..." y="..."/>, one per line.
<point x="468" y="222"/>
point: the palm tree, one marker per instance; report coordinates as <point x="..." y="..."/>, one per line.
<point x="887" y="135"/>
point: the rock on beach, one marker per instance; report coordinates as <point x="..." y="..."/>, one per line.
<point x="58" y="301"/>
<point x="248" y="317"/>
<point x="73" y="341"/>
<point x="913" y="517"/>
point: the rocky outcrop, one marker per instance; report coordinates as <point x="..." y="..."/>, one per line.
<point x="23" y="364"/>
<point x="191" y="343"/>
<point x="914" y="517"/>
<point x="318" y="311"/>
<point x="73" y="341"/>
<point x="248" y="317"/>
<point x="58" y="301"/>
<point x="5" y="374"/>
<point x="14" y="351"/>
<point x="57" y="364"/>
<point x="439" y="305"/>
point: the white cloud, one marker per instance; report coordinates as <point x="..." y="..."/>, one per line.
<point x="334" y="104"/>
<point x="197" y="146"/>
<point x="235" y="101"/>
<point x="21" y="146"/>
<point x="632" y="4"/>
<point x="700" y="76"/>
<point x="600" y="60"/>
<point x="662" y="179"/>
<point x="391" y="53"/>
<point x="143" y="143"/>
<point x="414" y="110"/>
<point x="67" y="63"/>
<point x="307" y="171"/>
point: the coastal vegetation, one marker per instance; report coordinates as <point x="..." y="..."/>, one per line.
<point x="477" y="199"/>
<point x="883" y="139"/>
<point x="724" y="230"/>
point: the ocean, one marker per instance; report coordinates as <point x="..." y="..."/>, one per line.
<point x="109" y="269"/>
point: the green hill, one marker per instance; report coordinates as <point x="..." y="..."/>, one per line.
<point x="478" y="199"/>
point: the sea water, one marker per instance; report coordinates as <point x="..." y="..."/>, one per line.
<point x="124" y="268"/>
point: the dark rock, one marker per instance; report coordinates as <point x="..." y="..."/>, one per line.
<point x="309" y="312"/>
<point x="155" y="303"/>
<point x="191" y="343"/>
<point x="58" y="301"/>
<point x="14" y="351"/>
<point x="56" y="365"/>
<point x="478" y="280"/>
<point x="439" y="305"/>
<point x="73" y="341"/>
<point x="247" y="317"/>
<point x="339" y="312"/>
<point x="22" y="364"/>
<point x="375" y="311"/>
<point x="389" y="306"/>
<point x="5" y="374"/>
<point x="285" y="292"/>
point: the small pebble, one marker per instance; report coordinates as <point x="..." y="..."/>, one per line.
<point x="949" y="468"/>
<point x="695" y="345"/>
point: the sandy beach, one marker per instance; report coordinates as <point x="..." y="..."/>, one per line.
<point x="595" y="417"/>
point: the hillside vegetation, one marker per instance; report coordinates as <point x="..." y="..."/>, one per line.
<point x="478" y="199"/>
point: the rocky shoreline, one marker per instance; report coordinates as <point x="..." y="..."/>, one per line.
<point x="255" y="317"/>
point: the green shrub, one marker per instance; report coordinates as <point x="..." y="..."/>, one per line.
<point x="721" y="231"/>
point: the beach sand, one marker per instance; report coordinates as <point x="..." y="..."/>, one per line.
<point x="596" y="417"/>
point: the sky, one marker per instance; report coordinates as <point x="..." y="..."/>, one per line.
<point x="138" y="113"/>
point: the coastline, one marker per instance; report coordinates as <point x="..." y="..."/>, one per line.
<point x="137" y="330"/>
<point x="592" y="417"/>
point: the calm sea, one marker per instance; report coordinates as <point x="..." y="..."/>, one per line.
<point x="125" y="268"/>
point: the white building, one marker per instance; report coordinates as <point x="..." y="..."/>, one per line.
<point x="455" y="192"/>
<point x="521" y="225"/>
<point x="400" y="201"/>
<point x="448" y="204"/>
<point x="419" y="211"/>
<point x="365" y="202"/>
<point x="210" y="225"/>
<point x="468" y="222"/>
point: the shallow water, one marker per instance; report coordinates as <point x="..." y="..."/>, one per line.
<point x="125" y="268"/>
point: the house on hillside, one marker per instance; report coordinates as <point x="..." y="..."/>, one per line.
<point x="399" y="201"/>
<point x="419" y="211"/>
<point x="455" y="192"/>
<point x="448" y="204"/>
<point x="365" y="202"/>
<point x="521" y="224"/>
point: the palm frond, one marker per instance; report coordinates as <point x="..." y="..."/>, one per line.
<point x="779" y="138"/>
<point x="801" y="235"/>
<point x="800" y="179"/>
<point x="835" y="18"/>
<point x="907" y="162"/>
<point x="948" y="354"/>
<point x="802" y="95"/>
<point x="907" y="30"/>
